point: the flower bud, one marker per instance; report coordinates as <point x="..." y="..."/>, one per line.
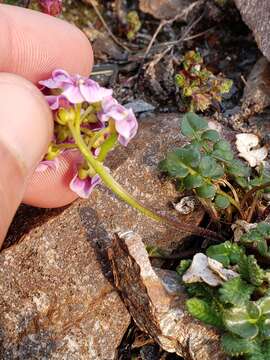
<point x="65" y="116"/>
<point x="51" y="7"/>
<point x="53" y="152"/>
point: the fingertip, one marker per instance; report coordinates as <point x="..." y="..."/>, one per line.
<point x="26" y="129"/>
<point x="49" y="188"/>
<point x="34" y="44"/>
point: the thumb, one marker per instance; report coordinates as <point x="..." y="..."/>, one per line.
<point x="26" y="128"/>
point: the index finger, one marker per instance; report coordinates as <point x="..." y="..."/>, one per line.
<point x="33" y="44"/>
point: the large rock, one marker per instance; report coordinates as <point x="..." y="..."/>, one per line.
<point x="56" y="295"/>
<point x="156" y="301"/>
<point x="256" y="14"/>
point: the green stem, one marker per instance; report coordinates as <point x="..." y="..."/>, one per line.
<point x="106" y="147"/>
<point x="66" y="146"/>
<point x="231" y="200"/>
<point x="107" y="179"/>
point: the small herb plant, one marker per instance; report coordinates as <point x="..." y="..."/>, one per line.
<point x="240" y="306"/>
<point x="200" y="88"/>
<point x="208" y="166"/>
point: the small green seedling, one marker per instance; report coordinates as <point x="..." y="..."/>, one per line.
<point x="208" y="166"/>
<point x="200" y="88"/>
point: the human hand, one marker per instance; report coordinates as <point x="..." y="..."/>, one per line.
<point x="32" y="45"/>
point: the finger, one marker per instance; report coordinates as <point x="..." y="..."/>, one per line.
<point x="26" y="129"/>
<point x="50" y="188"/>
<point x="33" y="44"/>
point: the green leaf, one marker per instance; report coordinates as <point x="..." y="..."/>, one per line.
<point x="250" y="270"/>
<point x="251" y="236"/>
<point x="266" y="349"/>
<point x="190" y="155"/>
<point x="238" y="169"/>
<point x="210" y="168"/>
<point x="237" y="320"/>
<point x="154" y="251"/>
<point x="264" y="229"/>
<point x="265" y="328"/>
<point x="191" y="124"/>
<point x="253" y="310"/>
<point x="235" y="291"/>
<point x="256" y="238"/>
<point x="222" y="202"/>
<point x="227" y="253"/>
<point x="173" y="166"/>
<point x="235" y="346"/>
<point x="199" y="290"/>
<point x="206" y="191"/>
<point x="211" y="135"/>
<point x="204" y="311"/>
<point x="222" y="151"/>
<point x="192" y="181"/>
<point x="183" y="266"/>
<point x="243" y="182"/>
<point x="263" y="248"/>
<point x="223" y="145"/>
<point x="264" y="304"/>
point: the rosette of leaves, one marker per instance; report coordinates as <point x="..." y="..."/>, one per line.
<point x="239" y="308"/>
<point x="257" y="239"/>
<point x="203" y="164"/>
<point x="200" y="87"/>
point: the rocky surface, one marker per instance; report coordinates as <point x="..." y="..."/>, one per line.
<point x="163" y="9"/>
<point x="157" y="302"/>
<point x="256" y="14"/>
<point x="56" y="293"/>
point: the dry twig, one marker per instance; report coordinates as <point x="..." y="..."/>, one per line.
<point x="162" y="23"/>
<point x="94" y="5"/>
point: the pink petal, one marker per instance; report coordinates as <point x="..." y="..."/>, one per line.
<point x="58" y="80"/>
<point x="57" y="101"/>
<point x="127" y="128"/>
<point x="73" y="94"/>
<point x="92" y="92"/>
<point x="84" y="187"/>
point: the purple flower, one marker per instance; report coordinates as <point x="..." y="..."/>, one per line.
<point x="57" y="101"/>
<point x="76" y="89"/>
<point x="51" y="7"/>
<point x="84" y="187"/>
<point x="125" y="121"/>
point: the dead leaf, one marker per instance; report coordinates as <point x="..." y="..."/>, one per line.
<point x="207" y="270"/>
<point x="245" y="144"/>
<point x="186" y="205"/>
<point x="240" y="227"/>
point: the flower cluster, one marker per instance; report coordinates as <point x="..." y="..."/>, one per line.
<point x="51" y="7"/>
<point x="87" y="119"/>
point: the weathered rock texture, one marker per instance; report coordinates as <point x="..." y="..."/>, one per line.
<point x="157" y="302"/>
<point x="56" y="296"/>
<point x="163" y="9"/>
<point x="256" y="14"/>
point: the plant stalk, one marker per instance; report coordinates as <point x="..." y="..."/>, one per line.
<point x="110" y="182"/>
